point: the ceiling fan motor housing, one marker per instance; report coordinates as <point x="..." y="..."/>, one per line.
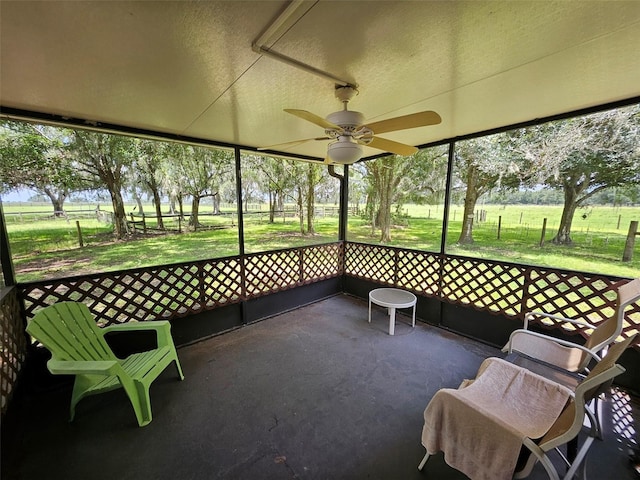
<point x="346" y="118"/>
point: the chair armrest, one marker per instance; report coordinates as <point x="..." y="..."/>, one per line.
<point x="559" y="341"/>
<point x="137" y="326"/>
<point x="529" y="316"/>
<point x="161" y="327"/>
<point x="72" y="367"/>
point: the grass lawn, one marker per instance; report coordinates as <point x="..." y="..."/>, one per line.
<point x="45" y="247"/>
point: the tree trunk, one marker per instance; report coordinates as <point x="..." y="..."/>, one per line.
<point x="193" y="219"/>
<point x="563" y="237"/>
<point x="470" y="199"/>
<point x="272" y="206"/>
<point x="158" y="207"/>
<point x="280" y="201"/>
<point x="216" y="204"/>
<point x="180" y="205"/>
<point x="384" y="221"/>
<point x="384" y="213"/>
<point x="310" y="200"/>
<point x="57" y="201"/>
<point x="370" y="211"/>
<point x="152" y="186"/>
<point x="119" y="215"/>
<point x="374" y="215"/>
<point x="138" y="200"/>
<point x="300" y="203"/>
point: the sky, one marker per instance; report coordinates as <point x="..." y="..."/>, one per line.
<point x="17" y="196"/>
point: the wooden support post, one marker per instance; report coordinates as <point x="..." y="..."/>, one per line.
<point x="79" y="234"/>
<point x="619" y="218"/>
<point x="627" y="256"/>
<point x="144" y="224"/>
<point x="499" y="225"/>
<point x="520" y="218"/>
<point x="544" y="231"/>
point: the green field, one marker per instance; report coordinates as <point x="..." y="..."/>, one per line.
<point x="597" y="248"/>
<point x="45" y="247"/>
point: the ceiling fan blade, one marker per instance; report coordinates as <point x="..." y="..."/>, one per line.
<point x="313" y="118"/>
<point x="393" y="147"/>
<point x="413" y="120"/>
<point x="284" y="146"/>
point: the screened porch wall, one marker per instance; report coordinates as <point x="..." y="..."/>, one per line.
<point x="482" y="299"/>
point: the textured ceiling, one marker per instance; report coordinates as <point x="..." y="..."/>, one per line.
<point x="187" y="68"/>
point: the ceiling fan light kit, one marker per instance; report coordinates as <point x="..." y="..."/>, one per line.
<point x="344" y="152"/>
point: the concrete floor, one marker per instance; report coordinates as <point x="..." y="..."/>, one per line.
<point x="316" y="393"/>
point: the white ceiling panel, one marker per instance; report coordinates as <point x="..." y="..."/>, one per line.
<point x="187" y="68"/>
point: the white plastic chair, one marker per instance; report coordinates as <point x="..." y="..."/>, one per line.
<point x="570" y="421"/>
<point x="569" y="355"/>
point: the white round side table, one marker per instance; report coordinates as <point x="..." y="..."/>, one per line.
<point x="393" y="298"/>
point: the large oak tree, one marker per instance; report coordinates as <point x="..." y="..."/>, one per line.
<point x="584" y="155"/>
<point x="482" y="164"/>
<point x="34" y="156"/>
<point x="107" y="158"/>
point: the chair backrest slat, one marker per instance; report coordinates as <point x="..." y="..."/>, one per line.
<point x="610" y="329"/>
<point x="69" y="331"/>
<point x="598" y="380"/>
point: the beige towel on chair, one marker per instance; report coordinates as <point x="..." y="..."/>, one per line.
<point x="480" y="427"/>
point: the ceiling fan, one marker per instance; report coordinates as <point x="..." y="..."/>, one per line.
<point x="349" y="132"/>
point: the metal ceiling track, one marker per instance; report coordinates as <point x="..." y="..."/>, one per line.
<point x="290" y="15"/>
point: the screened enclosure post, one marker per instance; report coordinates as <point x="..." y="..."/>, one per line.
<point x="237" y="155"/>
<point x="447" y="198"/>
<point x="445" y="223"/>
<point x="243" y="277"/>
<point x="344" y="205"/>
<point x="8" y="273"/>
<point x="344" y="200"/>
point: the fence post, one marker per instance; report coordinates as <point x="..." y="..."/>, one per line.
<point x="499" y="225"/>
<point x="627" y="256"/>
<point x="544" y="231"/>
<point x="619" y="218"/>
<point x="79" y="234"/>
<point x="144" y="224"/>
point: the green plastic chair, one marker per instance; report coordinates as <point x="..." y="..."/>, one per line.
<point x="69" y="331"/>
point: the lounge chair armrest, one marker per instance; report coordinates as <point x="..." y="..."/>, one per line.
<point x="138" y="326"/>
<point x="73" y="367"/>
<point x="161" y="327"/>
<point x="530" y="315"/>
<point x="559" y="341"/>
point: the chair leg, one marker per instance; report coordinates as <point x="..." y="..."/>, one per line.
<point x="580" y="459"/>
<point x="179" y="368"/>
<point x="596" y="414"/>
<point x="424" y="460"/>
